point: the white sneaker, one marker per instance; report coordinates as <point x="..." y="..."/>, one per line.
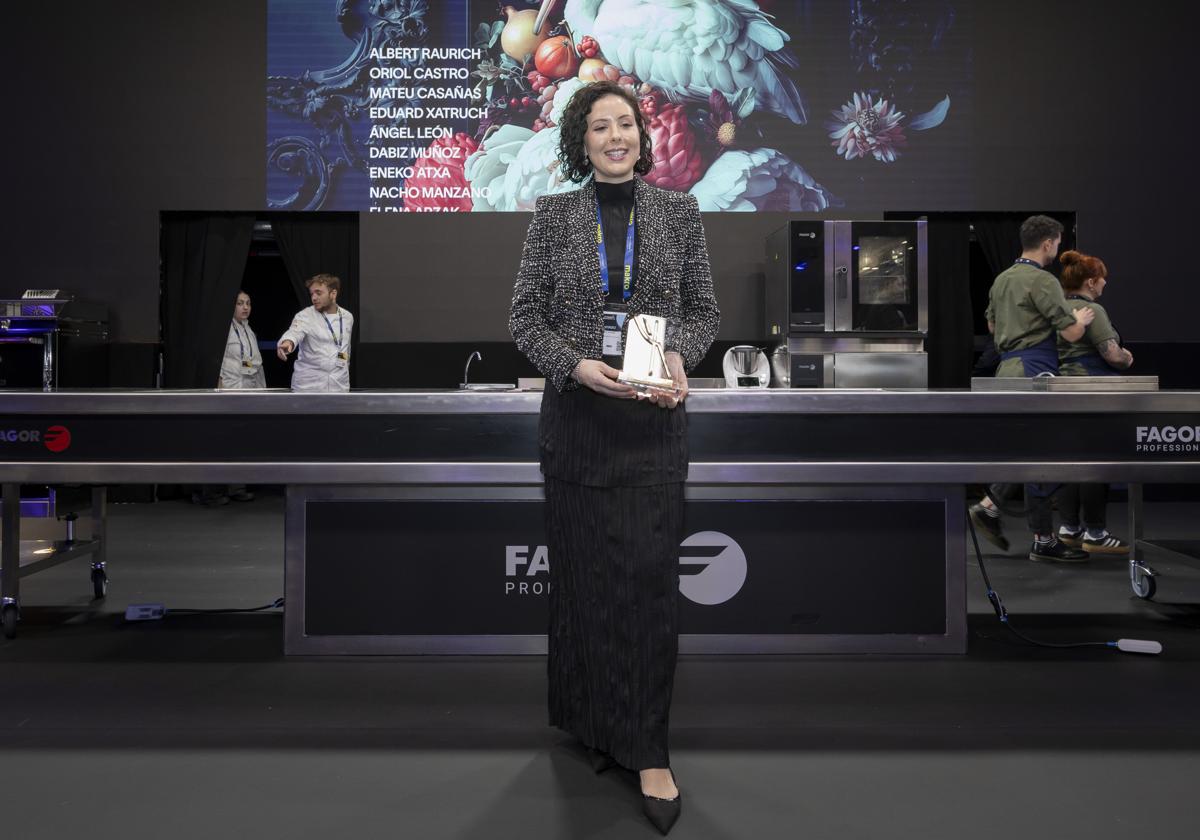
<point x="1104" y="544"/>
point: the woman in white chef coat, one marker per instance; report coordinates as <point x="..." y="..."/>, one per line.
<point x="241" y="369"/>
<point x="242" y="366"/>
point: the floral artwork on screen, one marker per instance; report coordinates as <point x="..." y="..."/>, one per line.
<point x="810" y="106"/>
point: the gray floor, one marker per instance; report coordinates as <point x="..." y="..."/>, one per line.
<point x="197" y="726"/>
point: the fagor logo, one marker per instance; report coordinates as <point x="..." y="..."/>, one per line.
<point x="712" y="568"/>
<point x="522" y="570"/>
<point x="56" y="438"/>
<point x="20" y="435"/>
<point x="1168" y="438"/>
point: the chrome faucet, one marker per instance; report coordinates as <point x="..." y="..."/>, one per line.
<point x="467" y="369"/>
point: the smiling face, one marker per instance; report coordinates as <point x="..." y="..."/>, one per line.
<point x="612" y="139"/>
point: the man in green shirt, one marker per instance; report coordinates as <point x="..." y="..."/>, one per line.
<point x="1027" y="310"/>
<point x="1027" y="313"/>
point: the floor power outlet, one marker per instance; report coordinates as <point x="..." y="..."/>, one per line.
<point x="144" y="612"/>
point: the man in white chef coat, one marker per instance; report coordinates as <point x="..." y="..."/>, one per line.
<point x="321" y="335"/>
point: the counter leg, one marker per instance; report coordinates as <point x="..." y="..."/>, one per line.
<point x="1141" y="576"/>
<point x="100" y="535"/>
<point x="1135" y="520"/>
<point x="10" y="560"/>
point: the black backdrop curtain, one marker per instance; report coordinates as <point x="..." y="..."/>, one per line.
<point x="322" y="243"/>
<point x="951" y="339"/>
<point x="204" y="259"/>
<point x="999" y="238"/>
<point x="950" y="342"/>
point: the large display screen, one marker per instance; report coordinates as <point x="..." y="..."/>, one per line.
<point x="453" y="105"/>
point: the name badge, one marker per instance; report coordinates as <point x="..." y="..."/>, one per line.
<point x="614" y="332"/>
<point x="343" y="357"/>
<point x="246" y="363"/>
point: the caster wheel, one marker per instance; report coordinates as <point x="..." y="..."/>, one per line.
<point x="1144" y="586"/>
<point x="8" y="617"/>
<point x="99" y="583"/>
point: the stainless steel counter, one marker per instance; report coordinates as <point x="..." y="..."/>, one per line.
<point x="826" y="401"/>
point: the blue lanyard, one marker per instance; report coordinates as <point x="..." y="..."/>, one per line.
<point x="241" y="346"/>
<point x="1023" y="261"/>
<point x="627" y="286"/>
<point x="337" y="339"/>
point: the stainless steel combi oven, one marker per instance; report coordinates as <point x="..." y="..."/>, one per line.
<point x="846" y="304"/>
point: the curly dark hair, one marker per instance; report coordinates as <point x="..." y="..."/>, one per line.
<point x="571" y="149"/>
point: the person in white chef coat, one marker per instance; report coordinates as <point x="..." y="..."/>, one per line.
<point x="241" y="369"/>
<point x="242" y="366"/>
<point x="320" y="335"/>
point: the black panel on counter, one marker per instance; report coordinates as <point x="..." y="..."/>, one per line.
<point x="714" y="436"/>
<point x="385" y="567"/>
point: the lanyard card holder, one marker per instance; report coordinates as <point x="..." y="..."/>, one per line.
<point x="645" y="365"/>
<point x="616" y="319"/>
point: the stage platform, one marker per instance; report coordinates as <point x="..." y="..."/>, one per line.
<point x="198" y="725"/>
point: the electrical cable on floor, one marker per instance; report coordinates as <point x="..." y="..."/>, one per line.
<point x="274" y="605"/>
<point x="155" y="612"/>
<point x="1126" y="645"/>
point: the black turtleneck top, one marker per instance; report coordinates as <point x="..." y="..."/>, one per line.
<point x="616" y="200"/>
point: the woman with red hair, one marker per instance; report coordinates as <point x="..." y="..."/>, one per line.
<point x="1097" y="353"/>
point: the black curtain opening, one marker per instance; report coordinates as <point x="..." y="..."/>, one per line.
<point x="950" y="342"/>
<point x="951" y="339"/>
<point x="999" y="238"/>
<point x="322" y="243"/>
<point x="204" y="258"/>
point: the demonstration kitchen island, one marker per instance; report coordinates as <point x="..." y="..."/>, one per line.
<point x="818" y="520"/>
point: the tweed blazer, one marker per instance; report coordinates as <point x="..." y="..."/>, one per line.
<point x="557" y="314"/>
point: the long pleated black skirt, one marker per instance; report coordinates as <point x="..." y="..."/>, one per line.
<point x="613" y="637"/>
<point x="614" y="473"/>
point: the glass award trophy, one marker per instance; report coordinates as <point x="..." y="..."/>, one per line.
<point x="645" y="362"/>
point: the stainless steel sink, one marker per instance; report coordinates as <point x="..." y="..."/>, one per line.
<point x="486" y="386"/>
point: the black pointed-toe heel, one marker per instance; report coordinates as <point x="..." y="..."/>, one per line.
<point x="663" y="812"/>
<point x="600" y="761"/>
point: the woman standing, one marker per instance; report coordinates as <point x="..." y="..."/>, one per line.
<point x="1097" y="353"/>
<point x="242" y="364"/>
<point x="614" y="464"/>
<point x="241" y="369"/>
